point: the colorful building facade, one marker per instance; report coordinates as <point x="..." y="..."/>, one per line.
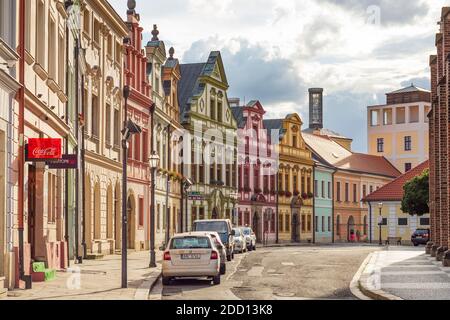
<point x="164" y="75"/>
<point x="257" y="173"/>
<point x="138" y="109"/>
<point x="295" y="181"/>
<point x="210" y="154"/>
<point x="323" y="202"/>
<point x="399" y="129"/>
<point x="385" y="203"/>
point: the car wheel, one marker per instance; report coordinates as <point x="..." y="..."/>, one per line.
<point x="416" y="244"/>
<point x="223" y="269"/>
<point x="166" y="281"/>
<point x="254" y="247"/>
<point x="216" y="280"/>
<point x="229" y="258"/>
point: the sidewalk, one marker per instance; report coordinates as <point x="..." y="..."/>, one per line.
<point x="403" y="273"/>
<point x="97" y="280"/>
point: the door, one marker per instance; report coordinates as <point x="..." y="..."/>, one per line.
<point x="295" y="221"/>
<point x="32" y="208"/>
<point x="256" y="228"/>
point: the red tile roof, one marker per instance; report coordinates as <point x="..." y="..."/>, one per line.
<point x="394" y="191"/>
<point x="365" y="163"/>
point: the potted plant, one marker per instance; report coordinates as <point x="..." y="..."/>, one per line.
<point x="310" y="195"/>
<point x="281" y="193"/>
<point x="288" y="194"/>
<point x="296" y="193"/>
<point x="304" y="196"/>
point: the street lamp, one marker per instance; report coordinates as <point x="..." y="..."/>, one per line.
<point x="380" y="222"/>
<point x="130" y="128"/>
<point x="187" y="183"/>
<point x="154" y="163"/>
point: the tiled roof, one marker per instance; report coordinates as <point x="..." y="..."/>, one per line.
<point x="411" y="88"/>
<point x="327" y="132"/>
<point x="189" y="76"/>
<point x="338" y="157"/>
<point x="394" y="191"/>
<point x="238" y="113"/>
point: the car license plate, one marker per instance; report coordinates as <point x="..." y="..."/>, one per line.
<point x="190" y="256"/>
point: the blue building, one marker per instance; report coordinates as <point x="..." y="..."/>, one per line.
<point x="323" y="202"/>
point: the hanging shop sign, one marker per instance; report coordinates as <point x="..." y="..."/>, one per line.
<point x="68" y="161"/>
<point x="43" y="149"/>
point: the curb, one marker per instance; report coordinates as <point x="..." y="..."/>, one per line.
<point x="143" y="292"/>
<point x="355" y="284"/>
<point x="363" y="282"/>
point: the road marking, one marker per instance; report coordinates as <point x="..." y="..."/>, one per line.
<point x="412" y="286"/>
<point x="412" y="273"/>
<point x="256" y="272"/>
<point x="288" y="264"/>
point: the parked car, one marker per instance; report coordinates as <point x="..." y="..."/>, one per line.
<point x="250" y="238"/>
<point x="191" y="255"/>
<point x="223" y="253"/>
<point x="223" y="228"/>
<point x="420" y="236"/>
<point x="240" y="245"/>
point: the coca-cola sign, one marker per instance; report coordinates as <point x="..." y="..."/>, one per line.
<point x="44" y="149"/>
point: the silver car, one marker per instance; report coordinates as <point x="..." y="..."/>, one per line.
<point x="240" y="245"/>
<point x="223" y="252"/>
<point x="250" y="238"/>
<point x="191" y="255"/>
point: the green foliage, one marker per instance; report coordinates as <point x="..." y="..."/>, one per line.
<point x="416" y="198"/>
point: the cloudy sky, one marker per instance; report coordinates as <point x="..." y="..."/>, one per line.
<point x="357" y="50"/>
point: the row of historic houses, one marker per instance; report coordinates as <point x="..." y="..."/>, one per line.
<point x="75" y="72"/>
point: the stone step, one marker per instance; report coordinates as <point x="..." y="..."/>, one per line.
<point x="94" y="256"/>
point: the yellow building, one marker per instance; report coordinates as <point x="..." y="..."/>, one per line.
<point x="295" y="181"/>
<point x="399" y="129"/>
<point x="386" y="202"/>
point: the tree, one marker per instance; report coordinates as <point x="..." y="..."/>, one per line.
<point x="416" y="198"/>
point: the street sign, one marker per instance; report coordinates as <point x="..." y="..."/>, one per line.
<point x="68" y="161"/>
<point x="196" y="196"/>
<point x="43" y="150"/>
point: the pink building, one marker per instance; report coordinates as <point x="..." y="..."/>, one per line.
<point x="257" y="177"/>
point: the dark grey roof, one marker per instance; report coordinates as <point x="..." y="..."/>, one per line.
<point x="189" y="79"/>
<point x="155" y="43"/>
<point x="171" y="63"/>
<point x="238" y="113"/>
<point x="275" y="124"/>
<point x="411" y="88"/>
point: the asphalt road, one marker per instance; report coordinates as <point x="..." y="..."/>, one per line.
<point x="292" y="273"/>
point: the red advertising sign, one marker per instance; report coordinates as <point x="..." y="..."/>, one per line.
<point x="44" y="149"/>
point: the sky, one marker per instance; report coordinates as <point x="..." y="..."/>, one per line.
<point x="273" y="51"/>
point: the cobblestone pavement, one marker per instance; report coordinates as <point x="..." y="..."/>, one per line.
<point x="409" y="274"/>
<point x="97" y="280"/>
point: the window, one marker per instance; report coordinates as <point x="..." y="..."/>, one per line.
<point x="364" y="191"/>
<point x="365" y="225"/>
<point x="212" y="172"/>
<point x="403" y="221"/>
<point x="141" y="212"/>
<point x="371" y="189"/>
<point x="40" y="33"/>
<point x="323" y="189"/>
<point x="303" y="223"/>
<point x="317" y="224"/>
<point x="110" y="46"/>
<point x="193" y="215"/>
<point x="145" y="154"/>
<point x="118" y="52"/>
<point x="408" y="143"/>
<point x="287" y="223"/>
<point x="338" y="191"/>
<point x="116" y="128"/>
<point x="212" y="109"/>
<point x="329" y="224"/>
<point x="414" y="114"/>
<point x="347" y="192"/>
<point x="424" y="221"/>
<point x="426" y="112"/>
<point x="338" y="225"/>
<point x="316" y="188"/>
<point x="286" y="182"/>
<point x="96" y="31"/>
<point x="108" y="124"/>
<point x="137" y="147"/>
<point x="355" y="192"/>
<point x="329" y="190"/>
<point x="408" y="167"/>
<point x="219" y="111"/>
<point x="295" y="182"/>
<point x="234" y="175"/>
<point x="374" y="118"/>
<point x="308" y="184"/>
<point x="52" y="49"/>
<point x="387" y="117"/>
<point x="385" y="222"/>
<point x="61" y="63"/>
<point x="52" y="197"/>
<point x="87" y="22"/>
<point x="380" y="145"/>
<point x="164" y="217"/>
<point x="401" y="116"/>
<point x="294" y="141"/>
<point x="280" y="222"/>
<point x="94" y="116"/>
<point x="309" y="219"/>
<point x="323" y="224"/>
<point x="201" y="171"/>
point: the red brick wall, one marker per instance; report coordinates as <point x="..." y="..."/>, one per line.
<point x="432" y="124"/>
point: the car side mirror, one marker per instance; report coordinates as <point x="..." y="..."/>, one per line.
<point x="233" y="233"/>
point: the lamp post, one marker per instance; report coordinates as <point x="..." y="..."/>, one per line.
<point x="154" y="163"/>
<point x="380" y="222"/>
<point x="130" y="128"/>
<point x="187" y="183"/>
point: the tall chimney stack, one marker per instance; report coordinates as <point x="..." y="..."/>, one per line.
<point x="316" y="108"/>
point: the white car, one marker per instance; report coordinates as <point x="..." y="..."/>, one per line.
<point x="250" y="238"/>
<point x="223" y="252"/>
<point x="240" y="245"/>
<point x="191" y="255"/>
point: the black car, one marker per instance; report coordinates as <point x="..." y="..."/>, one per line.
<point x="420" y="236"/>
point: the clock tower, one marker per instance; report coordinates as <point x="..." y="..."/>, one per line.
<point x="316" y="108"/>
